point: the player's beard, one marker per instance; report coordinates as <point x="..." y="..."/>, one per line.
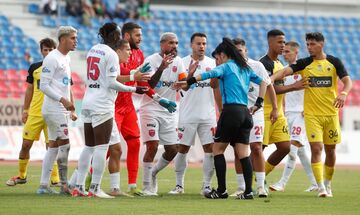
<point x="133" y="44"/>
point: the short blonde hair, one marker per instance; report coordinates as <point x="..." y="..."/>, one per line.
<point x="65" y="31"/>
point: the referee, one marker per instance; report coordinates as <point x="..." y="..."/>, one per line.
<point x="235" y="121"/>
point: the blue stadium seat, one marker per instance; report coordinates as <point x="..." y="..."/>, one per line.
<point x="48" y="21"/>
<point x="34" y="8"/>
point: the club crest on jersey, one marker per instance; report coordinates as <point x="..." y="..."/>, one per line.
<point x="66" y="131"/>
<point x="296" y="77"/>
<point x="152" y="132"/>
<point x="319" y="67"/>
<point x="180" y="135"/>
<point x="207" y="69"/>
<point x="174" y="69"/>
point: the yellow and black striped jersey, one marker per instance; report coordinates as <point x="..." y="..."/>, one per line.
<point x="38" y="96"/>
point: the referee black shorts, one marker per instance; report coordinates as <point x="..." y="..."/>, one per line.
<point x="234" y="124"/>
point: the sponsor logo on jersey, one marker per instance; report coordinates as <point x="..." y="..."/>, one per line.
<point x="95" y="85"/>
<point x="182" y="129"/>
<point x="174" y="69"/>
<point x="63" y="125"/>
<point x="152" y="132"/>
<point x="112" y="69"/>
<point x="66" y="80"/>
<point x="161" y="84"/>
<point x="320" y="81"/>
<point x="45" y="70"/>
<point x="200" y="84"/>
<point x="151" y="125"/>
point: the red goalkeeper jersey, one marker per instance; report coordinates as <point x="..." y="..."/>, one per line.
<point x="124" y="103"/>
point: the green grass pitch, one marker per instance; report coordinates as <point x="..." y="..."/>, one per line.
<point x="22" y="199"/>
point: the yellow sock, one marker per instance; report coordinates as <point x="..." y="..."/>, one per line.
<point x="23" y="164"/>
<point x="328" y="172"/>
<point x="55" y="174"/>
<point x="268" y="168"/>
<point x="318" y="171"/>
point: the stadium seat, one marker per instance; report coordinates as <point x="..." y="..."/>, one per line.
<point x="34" y="8"/>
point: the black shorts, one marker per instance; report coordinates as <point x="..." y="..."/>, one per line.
<point x="234" y="124"/>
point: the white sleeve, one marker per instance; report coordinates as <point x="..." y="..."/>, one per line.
<point x="115" y="85"/>
<point x="113" y="65"/>
<point x="47" y="74"/>
<point x="264" y="74"/>
<point x="152" y="65"/>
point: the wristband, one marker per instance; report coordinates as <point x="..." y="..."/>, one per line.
<point x="259" y="102"/>
<point x="344" y="93"/>
<point x="132" y="77"/>
<point x="191" y="81"/>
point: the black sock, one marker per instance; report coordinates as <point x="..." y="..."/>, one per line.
<point x="247" y="170"/>
<point x="220" y="168"/>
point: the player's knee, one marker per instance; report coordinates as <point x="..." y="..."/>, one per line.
<point x="256" y="149"/>
<point x="208" y="148"/>
<point x="115" y="152"/>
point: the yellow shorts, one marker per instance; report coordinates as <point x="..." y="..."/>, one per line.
<point x="33" y="127"/>
<point x="324" y="129"/>
<point x="277" y="132"/>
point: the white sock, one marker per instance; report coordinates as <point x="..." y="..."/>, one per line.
<point x="131" y="186"/>
<point x="84" y="164"/>
<point x="305" y="161"/>
<point x="99" y="163"/>
<point x="260" y="179"/>
<point x="208" y="169"/>
<point x="115" y="180"/>
<point x="147" y="175"/>
<point x="180" y="166"/>
<point x="161" y="164"/>
<point x="62" y="160"/>
<point x="240" y="181"/>
<point x="73" y="178"/>
<point x="290" y="165"/>
<point x="47" y="165"/>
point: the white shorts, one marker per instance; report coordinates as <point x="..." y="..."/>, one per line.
<point x="58" y="126"/>
<point x="296" y="126"/>
<point x="159" y="128"/>
<point x="187" y="132"/>
<point x="98" y="119"/>
<point x="95" y="119"/>
<point x="257" y="131"/>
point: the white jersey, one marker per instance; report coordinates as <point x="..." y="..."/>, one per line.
<point x="102" y="63"/>
<point x="294" y="101"/>
<point x="165" y="85"/>
<point x="197" y="104"/>
<point x="259" y="70"/>
<point x="56" y="67"/>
